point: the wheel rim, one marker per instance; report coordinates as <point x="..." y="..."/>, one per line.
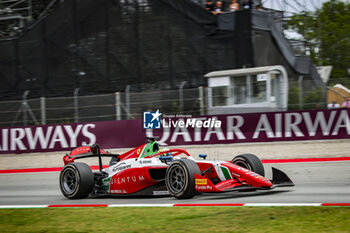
<point x="177" y="179"/>
<point x="69" y="181"/>
<point x="243" y="164"/>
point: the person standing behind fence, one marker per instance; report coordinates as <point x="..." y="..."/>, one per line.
<point x="333" y="105"/>
<point x="218" y="8"/>
<point x="234" y="6"/>
<point x="247" y="4"/>
<point x="259" y="7"/>
<point x="346" y="103"/>
<point x="209" y="6"/>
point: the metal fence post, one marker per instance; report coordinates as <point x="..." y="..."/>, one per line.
<point x="201" y="101"/>
<point x="181" y="96"/>
<point x="76" y="105"/>
<point x="117" y="106"/>
<point x="127" y="100"/>
<point x="43" y="110"/>
<point x="300" y="85"/>
<point x="25" y="108"/>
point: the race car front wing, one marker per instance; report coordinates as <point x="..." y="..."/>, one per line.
<point x="279" y="179"/>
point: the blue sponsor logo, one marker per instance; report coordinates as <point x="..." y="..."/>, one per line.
<point x="151" y="120"/>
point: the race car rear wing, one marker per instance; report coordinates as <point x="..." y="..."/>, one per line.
<point x="88" y="152"/>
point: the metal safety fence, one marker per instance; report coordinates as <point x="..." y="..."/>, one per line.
<point x="131" y="105"/>
<point x="116" y="106"/>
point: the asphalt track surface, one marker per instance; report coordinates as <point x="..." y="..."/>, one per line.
<point x="316" y="182"/>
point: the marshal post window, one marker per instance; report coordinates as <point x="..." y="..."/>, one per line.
<point x="248" y="90"/>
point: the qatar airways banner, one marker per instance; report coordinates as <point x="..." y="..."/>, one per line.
<point x="180" y="130"/>
<point x="255" y="127"/>
<point x="108" y="134"/>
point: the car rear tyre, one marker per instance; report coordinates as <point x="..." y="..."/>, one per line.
<point x="180" y="180"/>
<point x="250" y="162"/>
<point x="76" y="180"/>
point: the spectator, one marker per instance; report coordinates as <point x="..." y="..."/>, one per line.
<point x="317" y="106"/>
<point x="346" y="103"/>
<point x="218" y="8"/>
<point x="209" y="6"/>
<point x="333" y="105"/>
<point x="259" y="7"/>
<point x="234" y="6"/>
<point x="247" y="4"/>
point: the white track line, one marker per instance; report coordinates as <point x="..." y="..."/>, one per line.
<point x="141" y="205"/>
<point x="22" y="206"/>
<point x="282" y="204"/>
<point x="176" y="205"/>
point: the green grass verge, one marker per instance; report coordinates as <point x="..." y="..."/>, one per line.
<point x="177" y="219"/>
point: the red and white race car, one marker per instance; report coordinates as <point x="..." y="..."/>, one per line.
<point x="149" y="170"/>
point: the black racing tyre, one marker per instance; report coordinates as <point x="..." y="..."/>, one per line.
<point x="76" y="180"/>
<point x="180" y="180"/>
<point x="250" y="162"/>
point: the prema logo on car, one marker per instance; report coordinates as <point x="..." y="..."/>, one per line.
<point x="121" y="167"/>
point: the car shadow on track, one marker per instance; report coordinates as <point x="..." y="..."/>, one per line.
<point x="220" y="196"/>
<point x="129" y="197"/>
<point x="202" y="196"/>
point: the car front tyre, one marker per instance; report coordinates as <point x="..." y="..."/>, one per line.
<point x="180" y="179"/>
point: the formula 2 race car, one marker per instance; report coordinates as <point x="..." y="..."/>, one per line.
<point x="149" y="170"/>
